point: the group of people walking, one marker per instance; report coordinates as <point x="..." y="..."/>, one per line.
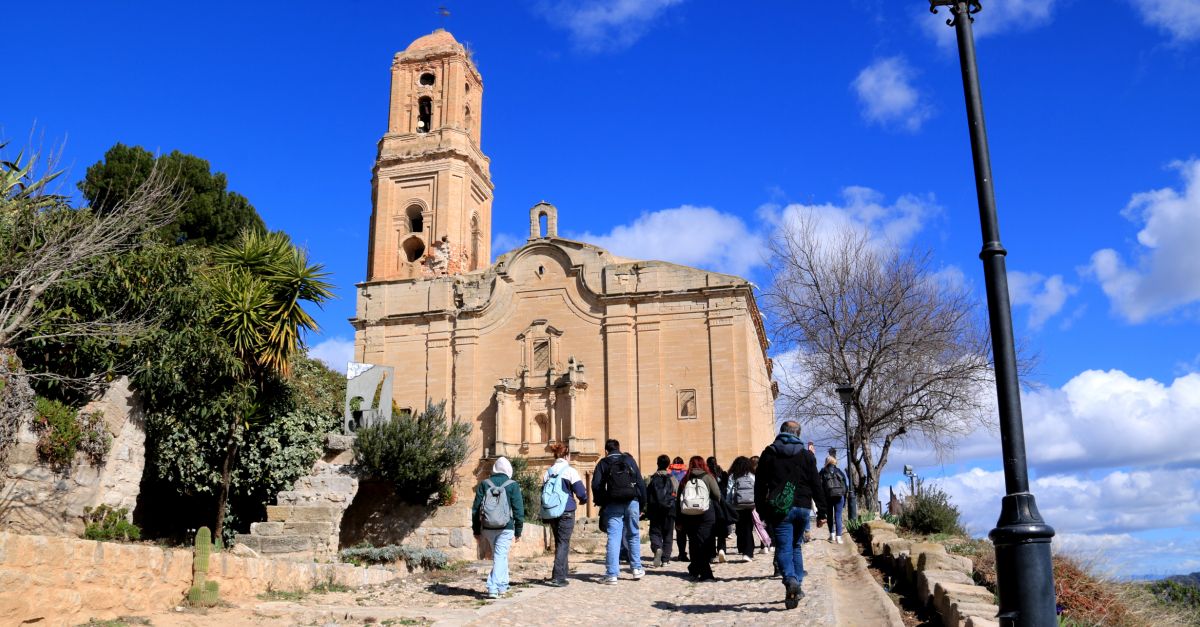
<point x="768" y="500"/>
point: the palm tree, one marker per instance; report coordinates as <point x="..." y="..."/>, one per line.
<point x="259" y="285"/>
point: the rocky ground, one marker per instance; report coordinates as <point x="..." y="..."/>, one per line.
<point x="838" y="591"/>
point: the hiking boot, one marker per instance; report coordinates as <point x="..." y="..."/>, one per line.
<point x="610" y="581"/>
<point x="638" y="573"/>
<point x="557" y="583"/>
<point x="658" y="560"/>
<point x="792" y="595"/>
<point x="840" y="540"/>
<point x="492" y="594"/>
<point x="832" y="537"/>
<point x="721" y="556"/>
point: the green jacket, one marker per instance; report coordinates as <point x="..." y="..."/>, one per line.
<point x="514" y="500"/>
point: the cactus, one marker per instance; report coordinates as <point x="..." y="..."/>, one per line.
<point x="203" y="593"/>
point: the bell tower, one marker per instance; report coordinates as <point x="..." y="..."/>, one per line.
<point x="431" y="209"/>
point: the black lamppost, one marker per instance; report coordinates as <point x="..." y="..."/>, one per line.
<point x="1022" y="539"/>
<point x="845" y="392"/>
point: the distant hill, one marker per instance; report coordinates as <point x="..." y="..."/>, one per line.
<point x="1192" y="580"/>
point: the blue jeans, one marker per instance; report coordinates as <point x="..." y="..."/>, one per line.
<point x="620" y="520"/>
<point x="789" y="539"/>
<point x="501" y="540"/>
<point x="838" y="503"/>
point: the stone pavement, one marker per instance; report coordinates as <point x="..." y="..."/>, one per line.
<point x="838" y="591"/>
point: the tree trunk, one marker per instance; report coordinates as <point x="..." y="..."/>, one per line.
<point x="226" y="477"/>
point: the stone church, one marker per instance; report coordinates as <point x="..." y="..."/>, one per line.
<point x="558" y="340"/>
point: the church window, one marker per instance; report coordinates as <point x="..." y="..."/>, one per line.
<point x="414" y="248"/>
<point x="541" y="355"/>
<point x="416" y="219"/>
<point x="467" y="86"/>
<point x="427" y="79"/>
<point x="542" y="221"/>
<point x="687" y="405"/>
<point x="424" y="114"/>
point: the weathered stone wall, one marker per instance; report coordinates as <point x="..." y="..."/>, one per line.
<point x="933" y="577"/>
<point x="66" y="581"/>
<point x="35" y="498"/>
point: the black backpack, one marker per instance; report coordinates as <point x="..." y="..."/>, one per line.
<point x="660" y="493"/>
<point x="834" y="484"/>
<point x="621" y="484"/>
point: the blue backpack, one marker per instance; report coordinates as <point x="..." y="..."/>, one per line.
<point x="554" y="497"/>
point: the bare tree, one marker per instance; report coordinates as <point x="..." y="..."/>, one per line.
<point x="44" y="241"/>
<point x="912" y="345"/>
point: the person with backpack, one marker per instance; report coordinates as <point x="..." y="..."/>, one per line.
<point x="741" y="497"/>
<point x="561" y="487"/>
<point x="784" y="489"/>
<point x="834" y="483"/>
<point x="721" y="530"/>
<point x="498" y="514"/>
<point x="696" y="507"/>
<point x="679" y="471"/>
<point x="620" y="492"/>
<point x="660" y="509"/>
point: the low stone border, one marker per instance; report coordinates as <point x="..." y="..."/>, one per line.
<point x="933" y="577"/>
<point x="67" y="581"/>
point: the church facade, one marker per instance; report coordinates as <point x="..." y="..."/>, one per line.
<point x="557" y="340"/>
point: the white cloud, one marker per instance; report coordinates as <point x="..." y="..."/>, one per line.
<point x="1179" y="18"/>
<point x="687" y="235"/>
<point x="888" y="97"/>
<point x="336" y="352"/>
<point x="1166" y="274"/>
<point x="1045" y="296"/>
<point x="599" y="25"/>
<point x="997" y="17"/>
<point x="864" y="209"/>
<point x="503" y="243"/>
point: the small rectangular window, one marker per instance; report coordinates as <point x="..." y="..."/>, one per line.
<point x="687" y="405"/>
<point x="541" y="355"/>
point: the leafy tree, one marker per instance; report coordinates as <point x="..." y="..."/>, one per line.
<point x="210" y="214"/>
<point x="257" y="295"/>
<point x="913" y="347"/>
<point x="45" y="243"/>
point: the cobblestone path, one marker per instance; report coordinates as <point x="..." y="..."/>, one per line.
<point x="838" y="591"/>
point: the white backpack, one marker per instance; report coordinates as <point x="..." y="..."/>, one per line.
<point x="695" y="497"/>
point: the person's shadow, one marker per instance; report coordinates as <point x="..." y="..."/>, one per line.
<point x="713" y="608"/>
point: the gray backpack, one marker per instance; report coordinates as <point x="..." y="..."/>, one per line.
<point x="496" y="512"/>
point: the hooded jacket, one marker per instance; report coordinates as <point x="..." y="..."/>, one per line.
<point x="501" y="471"/>
<point x="572" y="482"/>
<point x="785" y="460"/>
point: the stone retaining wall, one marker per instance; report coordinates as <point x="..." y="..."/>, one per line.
<point x="935" y="578"/>
<point x="67" y="581"/>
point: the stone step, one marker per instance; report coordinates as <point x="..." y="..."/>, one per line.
<point x="271" y="545"/>
<point x="302" y="513"/>
<point x="266" y="529"/>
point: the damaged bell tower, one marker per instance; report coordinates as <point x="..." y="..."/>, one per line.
<point x="431" y="186"/>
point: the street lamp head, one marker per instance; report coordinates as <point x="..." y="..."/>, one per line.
<point x="972" y="6"/>
<point x="845" y="392"/>
<point x="909" y="472"/>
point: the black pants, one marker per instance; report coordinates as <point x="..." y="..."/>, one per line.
<point x="699" y="530"/>
<point x="563" y="527"/>
<point x="662" y="530"/>
<point x="681" y="540"/>
<point x="744" y="530"/>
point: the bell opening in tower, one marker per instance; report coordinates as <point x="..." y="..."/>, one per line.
<point x="424" y="114"/>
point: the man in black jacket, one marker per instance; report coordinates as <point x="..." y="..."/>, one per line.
<point x="620" y="491"/>
<point x="786" y="485"/>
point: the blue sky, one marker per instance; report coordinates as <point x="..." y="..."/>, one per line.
<point x="642" y="119"/>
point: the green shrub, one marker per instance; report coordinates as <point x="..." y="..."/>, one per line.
<point x="429" y="559"/>
<point x="108" y="523"/>
<point x="930" y="512"/>
<point x="417" y="453"/>
<point x="531" y="488"/>
<point x="62" y="432"/>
